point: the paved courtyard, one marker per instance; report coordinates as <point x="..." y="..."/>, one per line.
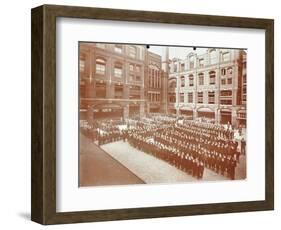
<point x="118" y="163"/>
<point x="97" y="168"/>
<point x="153" y="170"/>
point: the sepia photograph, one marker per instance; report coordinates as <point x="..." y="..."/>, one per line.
<point x="154" y="114"/>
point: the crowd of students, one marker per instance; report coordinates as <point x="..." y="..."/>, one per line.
<point x="190" y="146"/>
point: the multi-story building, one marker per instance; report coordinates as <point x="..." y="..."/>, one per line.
<point x="210" y="85"/>
<point x="154" y="84"/>
<point x="118" y="81"/>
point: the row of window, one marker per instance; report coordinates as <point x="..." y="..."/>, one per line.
<point x="154" y="79"/>
<point x="225" y="97"/>
<point x="134" y="91"/>
<point x="212" y="79"/>
<point x="213" y="59"/>
<point x="154" y="96"/>
<point x="132" y="50"/>
<point x="117" y="70"/>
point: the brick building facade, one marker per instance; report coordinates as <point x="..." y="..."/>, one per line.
<point x="113" y="81"/>
<point x="119" y="80"/>
<point x="210" y="85"/>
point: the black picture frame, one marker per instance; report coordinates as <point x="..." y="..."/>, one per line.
<point x="43" y="160"/>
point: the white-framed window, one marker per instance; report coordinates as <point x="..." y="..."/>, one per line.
<point x="181" y="97"/>
<point x="100" y="66"/>
<point x="190" y="97"/>
<point x="211" y="97"/>
<point x="200" y="97"/>
<point x="201" y="78"/>
<point x="182" y="81"/>
<point x="191" y="80"/>
<point x="212" y="77"/>
<point x="118" y="69"/>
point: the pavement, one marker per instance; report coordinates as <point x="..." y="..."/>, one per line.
<point x="151" y="169"/>
<point x="97" y="168"/>
<point x="118" y="163"/>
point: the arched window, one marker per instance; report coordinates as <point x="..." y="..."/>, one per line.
<point x="182" y="81"/>
<point x="212" y="77"/>
<point x="201" y="78"/>
<point x="191" y="80"/>
<point x="172" y="84"/>
<point x="229" y="71"/>
<point x="118" y="69"/>
<point x="100" y="66"/>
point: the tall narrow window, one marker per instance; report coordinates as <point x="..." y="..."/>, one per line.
<point x="201" y="78"/>
<point x="211" y="97"/>
<point x="118" y="71"/>
<point x="181" y="97"/>
<point x="200" y="97"/>
<point x="212" y="77"/>
<point x="190" y="97"/>
<point x="182" y="67"/>
<point x="182" y="81"/>
<point x="100" y="66"/>
<point x="191" y="80"/>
